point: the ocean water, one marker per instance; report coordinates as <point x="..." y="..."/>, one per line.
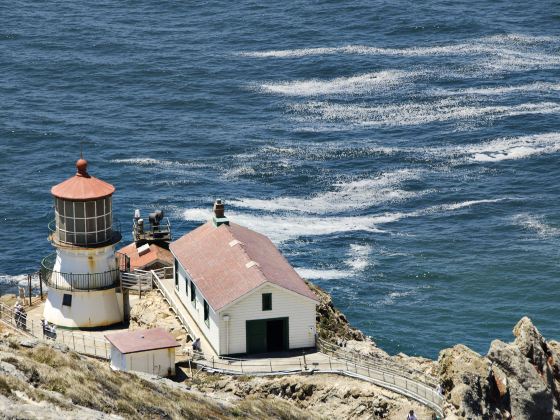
<point x="402" y="155"/>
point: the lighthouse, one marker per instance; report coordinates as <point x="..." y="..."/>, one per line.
<point x="83" y="275"/>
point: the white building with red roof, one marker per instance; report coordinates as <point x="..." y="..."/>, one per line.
<point x="241" y="291"/>
<point x="151" y="351"/>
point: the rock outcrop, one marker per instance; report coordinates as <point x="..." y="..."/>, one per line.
<point x="152" y="311"/>
<point x="519" y="380"/>
<point x="332" y="325"/>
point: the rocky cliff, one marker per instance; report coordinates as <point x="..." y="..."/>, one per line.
<point x="519" y="380"/>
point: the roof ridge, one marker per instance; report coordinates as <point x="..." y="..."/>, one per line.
<point x="243" y="248"/>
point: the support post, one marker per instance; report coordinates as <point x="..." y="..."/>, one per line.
<point x="29" y="285"/>
<point x="41" y="284"/>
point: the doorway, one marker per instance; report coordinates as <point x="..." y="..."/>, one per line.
<point x="267" y="335"/>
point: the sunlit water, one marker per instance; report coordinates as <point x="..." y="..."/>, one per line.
<point x="404" y="157"/>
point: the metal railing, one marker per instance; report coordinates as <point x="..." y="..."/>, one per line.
<point x="157" y="278"/>
<point x="80" y="343"/>
<point x="76" y="281"/>
<point x="137" y="281"/>
<point x="321" y="363"/>
<point x="382" y="364"/>
<point x="159" y="232"/>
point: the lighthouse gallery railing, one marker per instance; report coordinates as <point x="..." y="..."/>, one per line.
<point x="77" y="281"/>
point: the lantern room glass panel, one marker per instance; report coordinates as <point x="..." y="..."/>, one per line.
<point x="83" y="223"/>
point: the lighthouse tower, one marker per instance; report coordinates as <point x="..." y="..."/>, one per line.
<point x="83" y="274"/>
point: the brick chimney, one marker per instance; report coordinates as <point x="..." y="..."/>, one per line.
<point x="219" y="214"/>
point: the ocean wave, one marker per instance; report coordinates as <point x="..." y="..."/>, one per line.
<point x="414" y="113"/>
<point x="280" y="228"/>
<point x="158" y="163"/>
<point x="494" y="45"/>
<point x="350" y="195"/>
<point x="513" y="148"/>
<point x="328" y="274"/>
<point x="359" y="84"/>
<point x="283" y="227"/>
<point x="498" y="90"/>
<point x="358" y="257"/>
<point x="13" y="280"/>
<point x="239" y="171"/>
<point x="536" y="224"/>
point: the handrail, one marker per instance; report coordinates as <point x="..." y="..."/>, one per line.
<point x="384" y="364"/>
<point x="171" y="303"/>
<point x="76" y="281"/>
<point x="80" y="343"/>
<point x="411" y="388"/>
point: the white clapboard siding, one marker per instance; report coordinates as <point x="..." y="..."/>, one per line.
<point x="211" y="332"/>
<point x="298" y="309"/>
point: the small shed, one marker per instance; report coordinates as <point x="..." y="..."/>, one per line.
<point x="151" y="351"/>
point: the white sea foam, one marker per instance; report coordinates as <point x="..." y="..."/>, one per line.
<point x="496" y="45"/>
<point x="499" y="90"/>
<point x="239" y="171"/>
<point x="392" y="297"/>
<point x="536" y="224"/>
<point x="282" y="227"/>
<point x="328" y="274"/>
<point x="13" y="280"/>
<point x="414" y="113"/>
<point x="358" y="256"/>
<point x="158" y="163"/>
<point x="344" y="196"/>
<point x="359" y="84"/>
<point x="512" y="148"/>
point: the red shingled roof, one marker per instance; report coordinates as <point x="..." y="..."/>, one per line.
<point x="156" y="254"/>
<point x="82" y="186"/>
<point x="221" y="262"/>
<point x="142" y="340"/>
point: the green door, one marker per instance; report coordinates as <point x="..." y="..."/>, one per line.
<point x="267" y="335"/>
<point x="256" y="336"/>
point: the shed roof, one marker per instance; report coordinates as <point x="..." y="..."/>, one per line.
<point x="228" y="261"/>
<point x="155" y="254"/>
<point x="142" y="340"/>
<point x="82" y="186"/>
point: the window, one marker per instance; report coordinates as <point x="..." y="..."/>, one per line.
<point x="206" y="314"/>
<point x="67" y="300"/>
<point x="176" y="274"/>
<point x="267" y="301"/>
<point x="193" y="294"/>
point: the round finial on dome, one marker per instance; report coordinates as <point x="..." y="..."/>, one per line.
<point x="81" y="166"/>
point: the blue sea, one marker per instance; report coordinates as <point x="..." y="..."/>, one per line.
<point x="403" y="155"/>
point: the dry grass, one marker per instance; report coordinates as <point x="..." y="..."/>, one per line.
<point x="92" y="384"/>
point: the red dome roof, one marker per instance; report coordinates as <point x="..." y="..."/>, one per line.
<point x="82" y="186"/>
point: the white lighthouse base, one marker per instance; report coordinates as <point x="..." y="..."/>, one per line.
<point x="97" y="308"/>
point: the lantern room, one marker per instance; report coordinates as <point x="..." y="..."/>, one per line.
<point x="83" y="210"/>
